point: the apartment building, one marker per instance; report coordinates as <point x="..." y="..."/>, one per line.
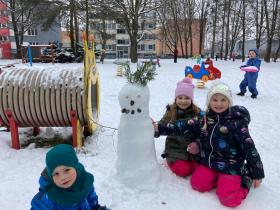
<point x="117" y="39"/>
<point x="165" y="48"/>
<point x="5" y="44"/>
<point x="33" y="36"/>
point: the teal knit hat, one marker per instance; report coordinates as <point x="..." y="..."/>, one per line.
<point x="62" y="154"/>
<point x="65" y="155"/>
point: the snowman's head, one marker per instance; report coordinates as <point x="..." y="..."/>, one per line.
<point x="134" y="100"/>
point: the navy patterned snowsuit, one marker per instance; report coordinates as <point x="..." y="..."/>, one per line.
<point x="226" y="144"/>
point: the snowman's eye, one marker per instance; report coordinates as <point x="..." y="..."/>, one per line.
<point x="138" y="96"/>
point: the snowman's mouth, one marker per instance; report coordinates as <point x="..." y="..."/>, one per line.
<point x="127" y="111"/>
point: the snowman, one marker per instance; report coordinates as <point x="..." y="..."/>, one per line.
<point x="136" y="157"/>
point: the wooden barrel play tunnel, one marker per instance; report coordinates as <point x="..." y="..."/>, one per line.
<point x="51" y="96"/>
<point x="45" y="97"/>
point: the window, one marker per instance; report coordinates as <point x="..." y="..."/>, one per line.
<point x="150" y="36"/>
<point x="97" y="36"/>
<point x="151" y="47"/>
<point x="110" y="26"/>
<point x="110" y="36"/>
<point x="4" y="38"/>
<point x="151" y="26"/>
<point x="121" y="31"/>
<point x="122" y="41"/>
<point x="32" y="32"/>
<point x="141" y="47"/>
<point x="3" y="25"/>
<point x="3" y="12"/>
<point x="108" y="47"/>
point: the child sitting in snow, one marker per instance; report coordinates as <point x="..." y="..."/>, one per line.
<point x="65" y="184"/>
<point x="250" y="78"/>
<point x="178" y="148"/>
<point x="228" y="157"/>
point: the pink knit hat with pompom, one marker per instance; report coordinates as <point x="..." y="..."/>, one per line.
<point x="185" y="88"/>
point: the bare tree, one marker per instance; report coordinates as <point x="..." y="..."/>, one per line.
<point x="271" y="16"/>
<point x="23" y="13"/>
<point x="228" y="6"/>
<point x="214" y="25"/>
<point x="257" y="7"/>
<point x="243" y="18"/>
<point x="277" y="53"/>
<point x="128" y="13"/>
<point x="235" y="25"/>
<point x="203" y="13"/>
<point x="223" y="30"/>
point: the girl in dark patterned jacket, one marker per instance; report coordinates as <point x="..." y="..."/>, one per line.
<point x="228" y="157"/>
<point x="65" y="184"/>
<point x="177" y="148"/>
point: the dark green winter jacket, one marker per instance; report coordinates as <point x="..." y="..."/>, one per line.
<point x="176" y="146"/>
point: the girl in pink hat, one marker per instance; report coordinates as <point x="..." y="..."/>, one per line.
<point x="178" y="148"/>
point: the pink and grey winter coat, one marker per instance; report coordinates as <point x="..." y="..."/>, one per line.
<point x="226" y="144"/>
<point x="176" y="146"/>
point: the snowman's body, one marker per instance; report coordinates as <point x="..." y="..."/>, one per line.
<point x="136" y="162"/>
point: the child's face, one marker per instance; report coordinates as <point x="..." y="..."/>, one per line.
<point x="183" y="102"/>
<point x="252" y="54"/>
<point x="219" y="103"/>
<point x="64" y="176"/>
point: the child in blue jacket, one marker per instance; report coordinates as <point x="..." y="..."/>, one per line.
<point x="65" y="184"/>
<point x="250" y="78"/>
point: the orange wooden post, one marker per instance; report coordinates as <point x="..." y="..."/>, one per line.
<point x="14" y="129"/>
<point x="36" y="131"/>
<point x="74" y="122"/>
<point x="1" y="122"/>
<point x="52" y="53"/>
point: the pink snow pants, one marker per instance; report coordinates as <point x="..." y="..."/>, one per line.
<point x="182" y="167"/>
<point x="229" y="190"/>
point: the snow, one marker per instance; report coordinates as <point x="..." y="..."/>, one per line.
<point x="20" y="169"/>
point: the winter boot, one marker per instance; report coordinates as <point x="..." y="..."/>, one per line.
<point x="254" y="96"/>
<point x="103" y="208"/>
<point x="240" y="94"/>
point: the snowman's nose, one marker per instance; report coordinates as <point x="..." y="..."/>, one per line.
<point x="131" y="103"/>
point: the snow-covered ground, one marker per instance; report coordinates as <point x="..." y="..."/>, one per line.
<point x="20" y="169"/>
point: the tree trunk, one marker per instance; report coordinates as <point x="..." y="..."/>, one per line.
<point x="270" y="29"/>
<point x="214" y="29"/>
<point x="277" y="53"/>
<point x="191" y="41"/>
<point x="133" y="49"/>
<point x="76" y="29"/>
<point x="71" y="26"/>
<point x="223" y="31"/>
<point x="227" y="29"/>
<point x="243" y="30"/>
<point x="259" y="23"/>
<point x="202" y="24"/>
<point x="268" y="50"/>
<point x="103" y="34"/>
<point x="15" y="28"/>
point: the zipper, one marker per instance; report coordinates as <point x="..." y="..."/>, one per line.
<point x="209" y="159"/>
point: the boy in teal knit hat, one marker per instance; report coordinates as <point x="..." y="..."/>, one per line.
<point x="65" y="184"/>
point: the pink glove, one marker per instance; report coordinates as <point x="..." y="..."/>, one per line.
<point x="155" y="125"/>
<point x="193" y="148"/>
